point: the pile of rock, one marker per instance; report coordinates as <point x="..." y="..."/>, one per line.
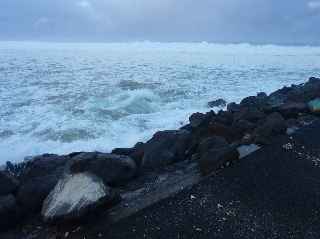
<point x="72" y="186"/>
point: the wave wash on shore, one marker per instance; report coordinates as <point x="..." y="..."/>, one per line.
<point x="60" y="98"/>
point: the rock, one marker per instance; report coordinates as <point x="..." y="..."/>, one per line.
<point x="217" y="103"/>
<point x="262" y="95"/>
<point x="136" y="153"/>
<point x="307" y="119"/>
<point x="251" y="101"/>
<point x="200" y="120"/>
<point x="274" y="125"/>
<point x="39" y="188"/>
<point x="250" y="114"/>
<point x="314" y="106"/>
<point x="243" y="126"/>
<point x="8" y="183"/>
<point x="186" y="127"/>
<point x="197" y="119"/>
<point x="292" y="126"/>
<point x="38" y="178"/>
<point x="297" y="93"/>
<point x="212" y="143"/>
<point x="247" y="139"/>
<point x="111" y="168"/>
<point x="215" y="129"/>
<point x="9" y="212"/>
<point x="307" y="92"/>
<point x="223" y="117"/>
<point x="279" y="97"/>
<point x="74" y="197"/>
<point x="166" y="147"/>
<point x="233" y="107"/>
<point x="259" y="102"/>
<point x="214" y="159"/>
<point x="44" y="165"/>
<point x="245" y="150"/>
<point x="122" y="151"/>
<point x="291" y="109"/>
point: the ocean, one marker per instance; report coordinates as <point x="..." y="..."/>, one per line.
<point x="66" y="97"/>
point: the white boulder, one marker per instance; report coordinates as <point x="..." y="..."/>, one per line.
<point x="74" y="196"/>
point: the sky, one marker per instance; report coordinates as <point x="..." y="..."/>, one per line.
<point x="222" y="21"/>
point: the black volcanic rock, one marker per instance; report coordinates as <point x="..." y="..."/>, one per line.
<point x="217" y="103"/>
<point x="274" y="125"/>
<point x="9" y="212"/>
<point x="243" y="126"/>
<point x="166" y="147"/>
<point x="136" y="153"/>
<point x="197" y="119"/>
<point x="113" y="169"/>
<point x="233" y="107"/>
<point x="292" y="109"/>
<point x="38" y="178"/>
<point x="8" y="184"/>
<point x="215" y="158"/>
<point x="213" y="142"/>
<point x="296" y="93"/>
<point x="223" y="117"/>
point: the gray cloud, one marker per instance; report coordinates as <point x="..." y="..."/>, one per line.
<point x="256" y="21"/>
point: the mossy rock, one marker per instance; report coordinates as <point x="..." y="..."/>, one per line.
<point x="314" y="106"/>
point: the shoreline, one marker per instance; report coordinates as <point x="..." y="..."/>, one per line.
<point x="131" y="179"/>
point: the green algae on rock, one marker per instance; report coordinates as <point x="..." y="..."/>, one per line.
<point x="314" y="105"/>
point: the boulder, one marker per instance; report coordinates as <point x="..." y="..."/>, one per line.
<point x="136" y="153"/>
<point x="74" y="197"/>
<point x="200" y="120"/>
<point x="217" y="103"/>
<point x="9" y="212"/>
<point x="307" y="119"/>
<point x="122" y="151"/>
<point x="259" y="102"/>
<point x="8" y="183"/>
<point x="314" y="106"/>
<point x="166" y="147"/>
<point x="215" y="128"/>
<point x="297" y="93"/>
<point x="233" y="107"/>
<point x="197" y="119"/>
<point x="243" y="126"/>
<point x="215" y="158"/>
<point x="245" y="150"/>
<point x="211" y="143"/>
<point x="262" y="95"/>
<point x="38" y="178"/>
<point x="291" y="109"/>
<point x="250" y="114"/>
<point x="223" y="117"/>
<point x="44" y="165"/>
<point x="225" y="131"/>
<point x="32" y="192"/>
<point x="274" y="125"/>
<point x="111" y="168"/>
<point x="292" y="125"/>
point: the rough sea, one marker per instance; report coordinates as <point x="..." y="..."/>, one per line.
<point x="65" y="97"/>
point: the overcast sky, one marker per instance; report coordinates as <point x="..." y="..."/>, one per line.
<point x="255" y="21"/>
